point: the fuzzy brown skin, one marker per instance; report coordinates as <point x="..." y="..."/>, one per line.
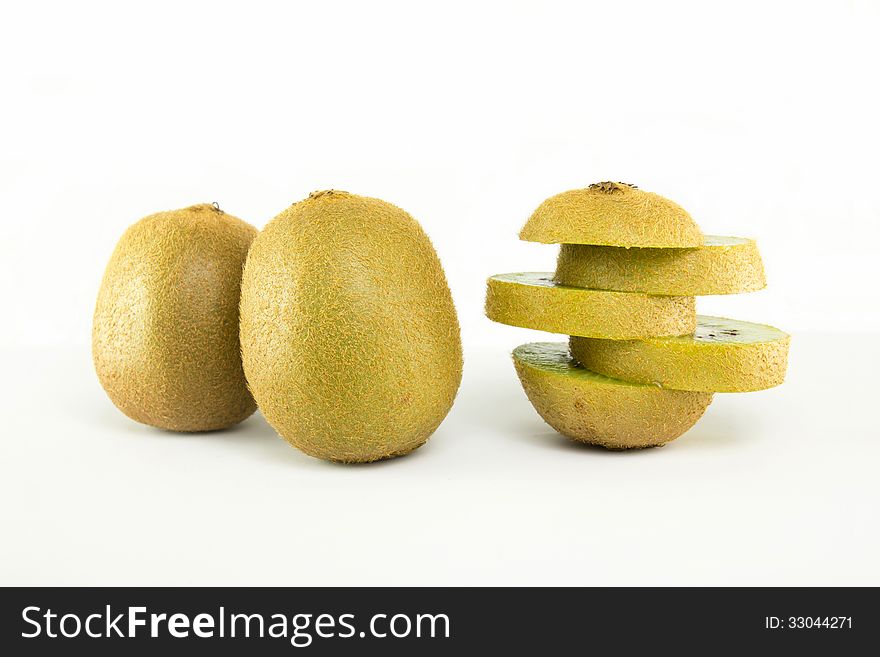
<point x="612" y="214"/>
<point x="165" y="331"/>
<point x="723" y="355"/>
<point x="723" y="265"/>
<point x="533" y="300"/>
<point x="350" y="339"/>
<point x="590" y="408"/>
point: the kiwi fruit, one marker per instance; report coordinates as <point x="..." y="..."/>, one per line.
<point x="612" y="214"/>
<point x="722" y="355"/>
<point x="722" y="265"/>
<point x="165" y="331"/>
<point x="641" y="365"/>
<point x="591" y="408"/>
<point x="349" y="337"/>
<point x="535" y="301"/>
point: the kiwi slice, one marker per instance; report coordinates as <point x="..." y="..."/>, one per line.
<point x="591" y="408"/>
<point x="722" y="355"/>
<point x="613" y="214"/>
<point x="535" y="301"/>
<point x="722" y="265"/>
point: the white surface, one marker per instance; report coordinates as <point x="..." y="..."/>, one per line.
<point x="777" y="487"/>
<point x="759" y="118"/>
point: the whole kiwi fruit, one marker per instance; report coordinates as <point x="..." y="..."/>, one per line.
<point x="349" y="337"/>
<point x="165" y="331"/>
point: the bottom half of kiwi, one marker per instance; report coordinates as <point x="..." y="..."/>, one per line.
<point x="592" y="408"/>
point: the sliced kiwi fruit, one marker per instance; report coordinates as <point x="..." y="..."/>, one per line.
<point x="722" y="355"/>
<point x="591" y="408"/>
<point x="535" y="301"/>
<point x="722" y="265"/>
<point x="612" y="214"/>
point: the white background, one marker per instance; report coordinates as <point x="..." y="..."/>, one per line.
<point x="760" y="118"/>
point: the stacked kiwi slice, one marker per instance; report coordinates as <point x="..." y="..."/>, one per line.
<point x="641" y="366"/>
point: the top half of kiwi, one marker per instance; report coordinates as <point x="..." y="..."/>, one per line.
<point x="612" y="214"/>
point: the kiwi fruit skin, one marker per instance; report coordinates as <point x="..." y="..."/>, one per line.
<point x="533" y="300"/>
<point x="722" y="265"/>
<point x="612" y="214"/>
<point x="722" y="355"/>
<point x="165" y="331"/>
<point x="591" y="408"/>
<point x="350" y="340"/>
